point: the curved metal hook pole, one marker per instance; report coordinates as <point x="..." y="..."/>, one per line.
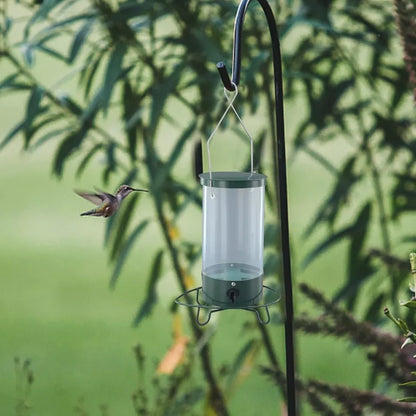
<point x="280" y="159"/>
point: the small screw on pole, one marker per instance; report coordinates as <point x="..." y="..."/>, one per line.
<point x="412" y="258"/>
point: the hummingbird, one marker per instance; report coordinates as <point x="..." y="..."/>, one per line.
<point x="107" y="203"/>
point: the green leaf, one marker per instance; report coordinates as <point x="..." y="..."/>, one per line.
<point x="48" y="136"/>
<point x="70" y="104"/>
<point x="160" y="94"/>
<point x="16" y="129"/>
<point x="338" y="198"/>
<point x="376" y="306"/>
<point x="66" y="148"/>
<point x="32" y="111"/>
<point x="111" y="222"/>
<point x="361" y="227"/>
<point x="407" y="400"/>
<point x="88" y="73"/>
<point x="411" y="304"/>
<point x="132" y="9"/>
<point x="111" y="162"/>
<point x="124" y="252"/>
<point x="46" y="7"/>
<point x="165" y="169"/>
<point x="113" y="71"/>
<point x="79" y="39"/>
<point x="10" y="82"/>
<point x="185" y="402"/>
<point x="272" y="264"/>
<point x="151" y="294"/>
<point x="28" y="55"/>
<point x="242" y="365"/>
<point x="122" y="225"/>
<point x="360" y="267"/>
<point x="52" y="52"/>
<point x="60" y="24"/>
<point x="403" y="325"/>
<point x="271" y="234"/>
<point x="33" y="104"/>
<point x="326" y="244"/>
<point x="5" y="28"/>
<point x="87" y="158"/>
<point x="130" y="103"/>
<point x="47" y="119"/>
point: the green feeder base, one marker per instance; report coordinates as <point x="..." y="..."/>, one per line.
<point x="189" y="296"/>
<point x="232" y="293"/>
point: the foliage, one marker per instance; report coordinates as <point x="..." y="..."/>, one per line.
<point x="380" y="347"/>
<point x="140" y="64"/>
<point x="362" y="106"/>
<point x="410" y="336"/>
<point x="406" y="22"/>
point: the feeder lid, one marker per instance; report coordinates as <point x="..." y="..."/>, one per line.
<point x="233" y="179"/>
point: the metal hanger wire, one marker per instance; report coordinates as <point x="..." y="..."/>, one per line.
<point x="230" y="99"/>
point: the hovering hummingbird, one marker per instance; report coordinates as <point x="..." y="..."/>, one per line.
<point x="108" y="204"/>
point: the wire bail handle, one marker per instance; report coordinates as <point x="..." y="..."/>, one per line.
<point x="230" y="101"/>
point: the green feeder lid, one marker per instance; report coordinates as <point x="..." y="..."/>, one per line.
<point x="233" y="179"/>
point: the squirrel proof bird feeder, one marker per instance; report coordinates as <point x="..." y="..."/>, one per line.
<point x="232" y="241"/>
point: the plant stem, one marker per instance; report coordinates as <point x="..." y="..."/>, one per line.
<point x="215" y="391"/>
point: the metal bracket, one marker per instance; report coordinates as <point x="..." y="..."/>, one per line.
<point x="213" y="308"/>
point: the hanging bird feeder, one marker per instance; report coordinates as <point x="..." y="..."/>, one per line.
<point x="223" y="268"/>
<point x="232" y="239"/>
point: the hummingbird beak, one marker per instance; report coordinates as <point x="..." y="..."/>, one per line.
<point x="139" y="190"/>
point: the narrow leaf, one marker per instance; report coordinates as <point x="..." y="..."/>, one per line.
<point x="12" y="133"/>
<point x="160" y="94"/>
<point x="151" y="295"/>
<point x="114" y="67"/>
<point x="48" y="136"/>
<point x="10" y="82"/>
<point x="130" y="103"/>
<point x="66" y="148"/>
<point x="87" y="158"/>
<point x="411" y="304"/>
<point x="32" y="110"/>
<point x="243" y="365"/>
<point x="79" y="39"/>
<point x="111" y="222"/>
<point x="376" y="306"/>
<point x="326" y="244"/>
<point x="28" y="54"/>
<point x="43" y="11"/>
<point x="123" y="222"/>
<point x="407" y="400"/>
<point x="126" y="250"/>
<point x="166" y="168"/>
<point x="408" y="384"/>
<point x="111" y="162"/>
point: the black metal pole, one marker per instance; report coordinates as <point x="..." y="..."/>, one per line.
<point x="280" y="158"/>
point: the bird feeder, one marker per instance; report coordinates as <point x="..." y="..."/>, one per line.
<point x="232" y="239"/>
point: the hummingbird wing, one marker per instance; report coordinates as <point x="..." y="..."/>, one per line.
<point x="107" y="197"/>
<point x="95" y="198"/>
